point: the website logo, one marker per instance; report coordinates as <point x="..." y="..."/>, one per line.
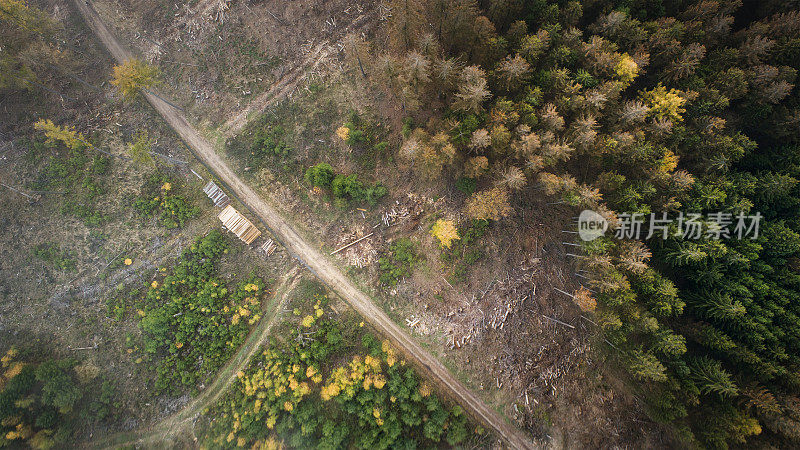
<point x="591" y="225"/>
<point x="689" y="226"/>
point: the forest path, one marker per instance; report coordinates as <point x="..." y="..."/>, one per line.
<point x="316" y="57"/>
<point x="311" y="257"/>
<point x="172" y="426"/>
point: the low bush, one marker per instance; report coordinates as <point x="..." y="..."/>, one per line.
<point x="345" y="188"/>
<point x="398" y="262"/>
<point x="268" y="142"/>
<point x="51" y="253"/>
<point x="159" y="198"/>
<point x="320" y="175"/>
<point x="466" y="185"/>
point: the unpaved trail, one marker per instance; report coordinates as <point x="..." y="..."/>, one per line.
<point x="316" y="56"/>
<point x="311" y="257"/>
<point x="280" y="88"/>
<point x="172" y="426"/>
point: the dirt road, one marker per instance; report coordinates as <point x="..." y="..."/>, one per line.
<point x="311" y="257"/>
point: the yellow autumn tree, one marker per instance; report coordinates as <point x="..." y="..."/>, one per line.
<point x="67" y="135"/>
<point x="343" y="132"/>
<point x="133" y="75"/>
<point x="664" y="104"/>
<point x="626" y="69"/>
<point x="445" y="231"/>
<point x="490" y="204"/>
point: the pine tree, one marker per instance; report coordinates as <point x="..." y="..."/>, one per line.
<point x="711" y="378"/>
<point x="646" y="367"/>
<point x="669" y="344"/>
<point x="532" y="46"/>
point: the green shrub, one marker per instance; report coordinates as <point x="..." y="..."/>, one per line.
<point x="320" y="175"/>
<point x="380" y="147"/>
<point x="101" y="407"/>
<point x="159" y="198"/>
<point x="59" y="390"/>
<point x="345" y="188"/>
<point x="408" y="127"/>
<point x="88" y="214"/>
<point x="101" y="165"/>
<point x="51" y="253"/>
<point x="355" y="136"/>
<point x="466" y="185"/>
<point x="269" y="142"/>
<point x="398" y="262"/>
<point x="115" y="308"/>
<point x="374" y="193"/>
<point x="348" y="187"/>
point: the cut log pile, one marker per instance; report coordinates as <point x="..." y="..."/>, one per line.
<point x="389" y="218"/>
<point x="357" y="248"/>
<point x="239" y="225"/>
<point x="217" y="195"/>
<point x="268" y="247"/>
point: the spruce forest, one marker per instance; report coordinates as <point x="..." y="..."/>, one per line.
<point x="636" y="107"/>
